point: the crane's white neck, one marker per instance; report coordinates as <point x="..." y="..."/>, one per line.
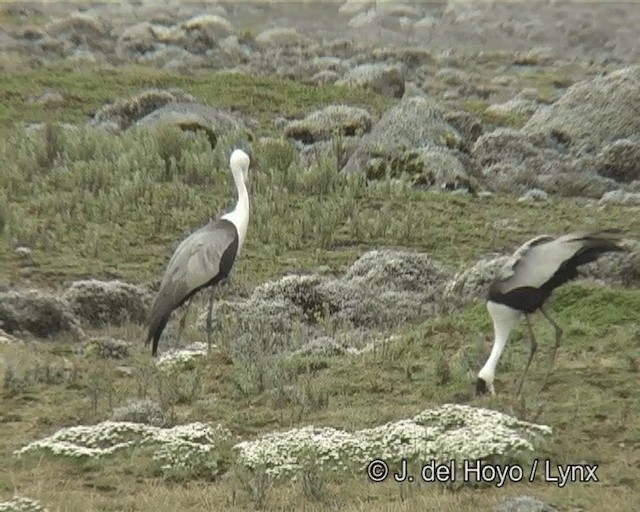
<point x="504" y="320"/>
<point x="240" y="214"/>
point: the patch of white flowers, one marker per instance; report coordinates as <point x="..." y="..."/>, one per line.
<point x="447" y="432"/>
<point x="175" y="359"/>
<point x="21" y="504"/>
<point x="190" y="447"/>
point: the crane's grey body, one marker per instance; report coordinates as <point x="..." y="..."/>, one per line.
<point x="204" y="259"/>
<point x="525" y="283"/>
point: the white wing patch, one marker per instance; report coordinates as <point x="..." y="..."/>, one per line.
<point x="508" y="269"/>
<point x="536" y="263"/>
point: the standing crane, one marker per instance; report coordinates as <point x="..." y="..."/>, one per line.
<point x="203" y="259"/>
<point x="525" y="283"/>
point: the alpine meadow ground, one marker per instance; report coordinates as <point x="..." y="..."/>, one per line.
<point x="91" y="204"/>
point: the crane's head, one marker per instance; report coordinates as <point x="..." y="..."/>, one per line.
<point x="239" y="163"/>
<point x="484" y="386"/>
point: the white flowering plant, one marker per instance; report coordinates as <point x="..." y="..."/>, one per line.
<point x="450" y="431"/>
<point x="193" y="449"/>
<point x="182" y="359"/>
<point x="22" y="504"/>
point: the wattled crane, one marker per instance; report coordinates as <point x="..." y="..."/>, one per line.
<point x="525" y="283"/>
<point x="204" y="258"/>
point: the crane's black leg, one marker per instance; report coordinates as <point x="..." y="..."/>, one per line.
<point x="209" y="314"/>
<point x="183" y="320"/>
<point x="554" y="349"/>
<point x="532" y="350"/>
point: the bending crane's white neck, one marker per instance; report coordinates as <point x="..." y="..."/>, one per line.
<point x="504" y="320"/>
<point x="240" y="214"/>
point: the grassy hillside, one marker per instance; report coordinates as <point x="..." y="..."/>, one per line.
<point x="110" y="206"/>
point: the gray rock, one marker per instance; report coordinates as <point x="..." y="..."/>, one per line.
<point x="504" y="177"/>
<point x="326" y="77"/>
<point x="411" y="90"/>
<point x="472" y="284"/>
<point x="534" y="57"/>
<point x="352" y="7"/>
<point x="137" y="40"/>
<point x="334" y="150"/>
<point x="330" y="121"/>
<point x="212" y="26"/>
<point x="107" y="302"/>
<point x="593" y="113"/>
<point x="170" y="35"/>
<point x="8" y="339"/>
<point x="534" y="195"/>
<point x="413" y="123"/>
<point x="398" y="10"/>
<point x="534" y="161"/>
<point x="452" y="76"/>
<point x="620" y="160"/>
<point x="82" y="56"/>
<point x="468" y="126"/>
<point x="281" y="37"/>
<point x="363" y="19"/>
<point x="124" y="112"/>
<point x="620" y="197"/>
<point x="515" y="108"/>
<point x="23" y="252"/>
<point x="8" y="41"/>
<point x="434" y="167"/>
<point x="621" y="268"/>
<point x="39" y="313"/>
<point x="507" y="145"/>
<point x="215" y="122"/>
<point x="203" y="32"/>
<point x="328" y="64"/>
<point x="380" y="78"/>
<point x="30" y="33"/>
<point x="172" y="57"/>
<point x="410" y="56"/>
<point x="570" y="184"/>
<point x="426" y="23"/>
<point x="79" y="29"/>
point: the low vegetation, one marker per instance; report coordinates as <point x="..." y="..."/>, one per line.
<point x="94" y="205"/>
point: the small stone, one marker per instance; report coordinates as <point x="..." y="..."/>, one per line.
<point x="620" y="197"/>
<point x="23" y="252"/>
<point x="534" y="195"/>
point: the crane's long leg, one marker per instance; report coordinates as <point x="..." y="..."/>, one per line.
<point x="554" y="349"/>
<point x="183" y="320"/>
<point x="532" y="350"/>
<point x="209" y="314"/>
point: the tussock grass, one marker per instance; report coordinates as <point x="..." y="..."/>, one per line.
<point x="263" y="98"/>
<point x="99" y="198"/>
<point x="90" y="204"/>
